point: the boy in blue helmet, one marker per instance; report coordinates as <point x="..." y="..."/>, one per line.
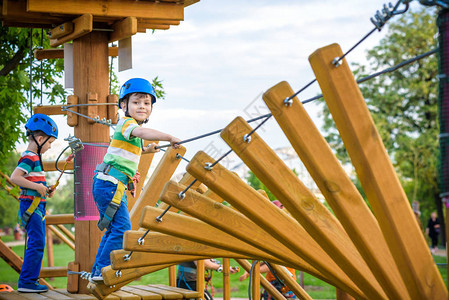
<point x="119" y="166"/>
<point x="29" y="175"/>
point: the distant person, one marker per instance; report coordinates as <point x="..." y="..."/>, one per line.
<point x="118" y="171"/>
<point x="29" y="175"/>
<point x="433" y="231"/>
<point x="186" y="277"/>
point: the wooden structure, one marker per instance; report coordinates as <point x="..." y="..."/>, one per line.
<point x="368" y="255"/>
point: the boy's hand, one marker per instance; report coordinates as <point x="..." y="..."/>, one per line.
<point x="41" y="189"/>
<point x="151" y="148"/>
<point x="51" y="192"/>
<point x="174" y="142"/>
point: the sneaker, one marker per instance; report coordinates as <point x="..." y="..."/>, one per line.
<point x="96" y="278"/>
<point x="32" y="288"/>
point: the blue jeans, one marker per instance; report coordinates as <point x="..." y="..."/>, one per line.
<point x="103" y="191"/>
<point x="32" y="260"/>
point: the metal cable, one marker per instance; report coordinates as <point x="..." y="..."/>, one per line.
<point x="96" y="120"/>
<point x="31" y="71"/>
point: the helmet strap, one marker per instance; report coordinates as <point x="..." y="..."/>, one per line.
<point x="39" y="148"/>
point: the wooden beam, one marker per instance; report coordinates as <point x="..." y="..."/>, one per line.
<point x="338" y="189"/>
<point x="61" y="30"/>
<point x="40" y="54"/>
<point x="301" y="203"/>
<point x="142" y="27"/>
<point x="124" y="8"/>
<point x="236" y="224"/>
<point x="50" y="272"/>
<point x="111" y="278"/>
<point x="144" y="166"/>
<point x="273" y="220"/>
<point x="82" y="26"/>
<point x="145" y="259"/>
<point x="163" y="243"/>
<point x="49" y="110"/>
<point x="16" y="12"/>
<point x="61" y="237"/>
<point x="60" y="219"/>
<point x="123" y="29"/>
<point x="290" y="281"/>
<point x="377" y="175"/>
<point x="50" y="165"/>
<point x="158" y="22"/>
<point x="152" y="190"/>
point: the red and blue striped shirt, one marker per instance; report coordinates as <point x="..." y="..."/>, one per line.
<point x="30" y="164"/>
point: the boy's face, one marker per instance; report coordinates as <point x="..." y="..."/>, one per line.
<point x="139" y="106"/>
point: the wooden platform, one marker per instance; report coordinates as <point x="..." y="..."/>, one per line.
<point x="133" y="292"/>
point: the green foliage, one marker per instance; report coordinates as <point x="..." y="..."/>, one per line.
<point x="15" y="83"/>
<point x="403" y="103"/>
<point x="158" y="88"/>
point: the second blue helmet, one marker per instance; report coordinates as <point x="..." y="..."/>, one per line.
<point x="136" y="85"/>
<point x="43" y="123"/>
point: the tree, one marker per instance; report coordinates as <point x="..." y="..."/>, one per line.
<point x="404" y="105"/>
<point x="15" y="82"/>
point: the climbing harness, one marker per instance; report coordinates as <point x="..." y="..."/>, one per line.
<point x="123" y="181"/>
<point x="25" y="217"/>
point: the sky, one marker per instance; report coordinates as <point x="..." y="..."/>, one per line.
<point x="218" y="62"/>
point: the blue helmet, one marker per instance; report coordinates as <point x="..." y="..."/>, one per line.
<point x="136" y="85"/>
<point x="43" y="123"/>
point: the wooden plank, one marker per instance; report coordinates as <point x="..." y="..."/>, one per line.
<point x="101" y="291"/>
<point x="141" y="259"/>
<point x="199" y="232"/>
<point x="61" y="30"/>
<point x="255" y="280"/>
<point x="186" y="293"/>
<point x="172" y="275"/>
<point x="75" y="296"/>
<point x="338" y="189"/>
<point x="301" y="203"/>
<point x="72" y="279"/>
<point x="246" y="265"/>
<point x="123" y="29"/>
<point x="200" y="285"/>
<point x="113" y="277"/>
<point x="377" y="175"/>
<point x="82" y="26"/>
<point x="236" y="224"/>
<point x="123" y="8"/>
<point x="165" y="294"/>
<point x="145" y="295"/>
<point x="50" y="165"/>
<point x="55" y="295"/>
<point x="142" y="27"/>
<point x="144" y="166"/>
<point x="273" y="220"/>
<point x="16" y="12"/>
<point x="158" y="22"/>
<point x="49" y="110"/>
<point x="162" y="243"/>
<point x="11" y="296"/>
<point x="126" y="296"/>
<point x="152" y="190"/>
<point x="60" y="219"/>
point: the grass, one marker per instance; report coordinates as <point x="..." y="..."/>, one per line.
<point x="316" y="288"/>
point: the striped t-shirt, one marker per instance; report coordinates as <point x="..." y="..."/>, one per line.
<point x="30" y="164"/>
<point x="125" y="150"/>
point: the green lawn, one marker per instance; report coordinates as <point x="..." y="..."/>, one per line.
<point x="316" y="288"/>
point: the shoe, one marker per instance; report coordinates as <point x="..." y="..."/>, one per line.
<point x="96" y="278"/>
<point x="32" y="288"/>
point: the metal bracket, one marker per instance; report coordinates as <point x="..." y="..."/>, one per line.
<point x="208" y="166"/>
<point x="247" y="138"/>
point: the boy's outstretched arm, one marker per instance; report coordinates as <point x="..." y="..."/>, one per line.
<point x="18" y="179"/>
<point x="155" y="135"/>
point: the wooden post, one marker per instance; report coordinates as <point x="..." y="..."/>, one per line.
<point x="200" y="277"/>
<point x="90" y="60"/>
<point x="341" y="194"/>
<point x="341" y="295"/>
<point x="50" y="256"/>
<point x="226" y="279"/>
<point x="172" y="275"/>
<point x="377" y="175"/>
<point x="255" y="281"/>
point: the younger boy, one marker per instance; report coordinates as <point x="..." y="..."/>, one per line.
<point x="30" y="176"/>
<point x="119" y="166"/>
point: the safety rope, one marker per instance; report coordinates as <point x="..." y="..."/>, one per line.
<point x="83" y="274"/>
<point x="31" y="72"/>
<point x="97" y="119"/>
